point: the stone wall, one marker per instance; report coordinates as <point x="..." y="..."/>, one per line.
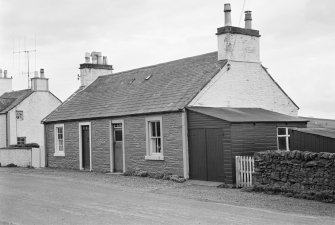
<point x="296" y="173"/>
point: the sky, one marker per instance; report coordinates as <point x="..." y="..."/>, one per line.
<point x="297" y="43"/>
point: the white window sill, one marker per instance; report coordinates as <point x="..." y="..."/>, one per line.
<point x="59" y="154"/>
<point x="154" y="157"/>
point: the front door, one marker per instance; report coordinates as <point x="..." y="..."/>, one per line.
<point x="117" y="147"/>
<point x="85" y="138"/>
<point x="206" y="154"/>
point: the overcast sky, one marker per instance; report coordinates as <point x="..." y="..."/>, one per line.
<point x="297" y="43"/>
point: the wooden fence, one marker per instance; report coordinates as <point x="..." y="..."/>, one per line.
<point x="244" y="170"/>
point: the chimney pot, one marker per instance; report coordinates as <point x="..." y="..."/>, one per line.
<point x="227" y="14"/>
<point x="87" y="57"/>
<point x="248" y="20"/>
<point x="42" y="73"/>
<point x="94" y="58"/>
<point x="99" y="56"/>
<point x="105" y="60"/>
<point x="5" y="73"/>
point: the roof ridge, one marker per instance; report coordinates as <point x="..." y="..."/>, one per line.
<point x="155" y="65"/>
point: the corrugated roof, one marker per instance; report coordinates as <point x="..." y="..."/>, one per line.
<point x="159" y="88"/>
<point x="11" y="99"/>
<point x="325" y="132"/>
<point x="245" y="114"/>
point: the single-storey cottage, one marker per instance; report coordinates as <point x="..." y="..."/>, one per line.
<point x="145" y="119"/>
<point x="21" y="112"/>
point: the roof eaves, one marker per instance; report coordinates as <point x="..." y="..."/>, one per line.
<point x="16" y="104"/>
<point x="113" y="116"/>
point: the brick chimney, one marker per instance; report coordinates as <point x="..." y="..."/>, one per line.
<point x="236" y="43"/>
<point x="5" y="82"/>
<point x="39" y="82"/>
<point x="91" y="70"/>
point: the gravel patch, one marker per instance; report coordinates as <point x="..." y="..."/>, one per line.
<point x="186" y="190"/>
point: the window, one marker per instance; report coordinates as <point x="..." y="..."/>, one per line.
<point x="283" y="138"/>
<point x="154" y="138"/>
<point x="19" y="115"/>
<point x="59" y="140"/>
<point x="21" y="140"/>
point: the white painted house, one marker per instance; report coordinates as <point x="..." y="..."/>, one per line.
<point x="21" y="112"/>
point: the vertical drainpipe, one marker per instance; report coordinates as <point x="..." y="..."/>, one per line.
<point x="45" y="146"/>
<point x="7" y="130"/>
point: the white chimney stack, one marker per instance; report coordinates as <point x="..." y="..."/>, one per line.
<point x="39" y="83"/>
<point x="5" y="73"/>
<point x="227" y="14"/>
<point x="89" y="72"/>
<point x="248" y="20"/>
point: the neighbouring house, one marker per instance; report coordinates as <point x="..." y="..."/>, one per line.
<point x="21" y="112"/>
<point x="154" y="118"/>
<point x="313" y="139"/>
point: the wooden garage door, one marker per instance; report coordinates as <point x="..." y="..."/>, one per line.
<point x="206" y="154"/>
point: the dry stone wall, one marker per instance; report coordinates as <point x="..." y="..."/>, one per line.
<point x="296" y="173"/>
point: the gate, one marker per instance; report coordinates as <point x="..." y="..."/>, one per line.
<point x="244" y="170"/>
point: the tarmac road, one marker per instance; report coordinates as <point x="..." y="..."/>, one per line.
<point x="43" y="199"/>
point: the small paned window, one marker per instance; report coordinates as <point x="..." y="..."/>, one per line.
<point x="154" y="138"/>
<point x="283" y="138"/>
<point x="21" y="140"/>
<point x="19" y="114"/>
<point x="59" y="140"/>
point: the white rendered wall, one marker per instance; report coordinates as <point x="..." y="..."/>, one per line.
<point x="238" y="47"/>
<point x="88" y="75"/>
<point x="245" y="85"/>
<point x="37" y="106"/>
<point x="3" y="131"/>
<point x="5" y="85"/>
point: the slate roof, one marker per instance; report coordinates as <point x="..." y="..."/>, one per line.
<point x="325" y="132"/>
<point x="164" y="87"/>
<point x="11" y="99"/>
<point x="245" y="114"/>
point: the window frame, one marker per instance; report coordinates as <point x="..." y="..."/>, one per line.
<point x="57" y="151"/>
<point x="150" y="155"/>
<point x="19" y="112"/>
<point x="287" y="138"/>
<point x="24" y="140"/>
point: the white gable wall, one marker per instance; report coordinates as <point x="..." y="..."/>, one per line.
<point x="2" y="130"/>
<point x="246" y="84"/>
<point x="35" y="107"/>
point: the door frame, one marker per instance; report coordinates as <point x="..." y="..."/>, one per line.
<point x="112" y="146"/>
<point x="81" y="147"/>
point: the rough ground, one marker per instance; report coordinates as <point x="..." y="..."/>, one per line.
<point x="50" y="196"/>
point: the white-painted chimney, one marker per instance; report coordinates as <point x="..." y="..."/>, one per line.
<point x="36" y="74"/>
<point x="247" y="20"/>
<point x="227" y="14"/>
<point x="5" y="82"/>
<point x="89" y="72"/>
<point x="40" y="83"/>
<point x="236" y="43"/>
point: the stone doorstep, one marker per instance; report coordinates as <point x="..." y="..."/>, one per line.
<point x="204" y="183"/>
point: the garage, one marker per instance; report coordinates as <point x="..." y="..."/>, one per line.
<point x="217" y="135"/>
